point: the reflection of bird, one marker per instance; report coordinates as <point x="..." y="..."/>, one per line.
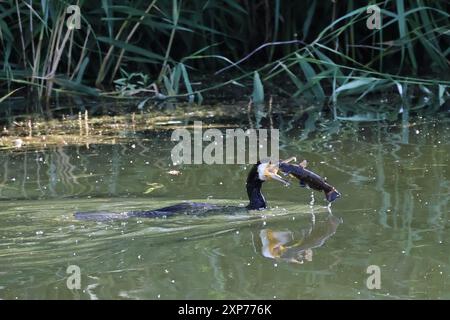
<point x="291" y="247"/>
<point x="259" y="173"/>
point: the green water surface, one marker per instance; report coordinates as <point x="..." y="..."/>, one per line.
<point x="394" y="213"/>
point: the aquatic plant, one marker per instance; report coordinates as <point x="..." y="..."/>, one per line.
<point x="324" y="49"/>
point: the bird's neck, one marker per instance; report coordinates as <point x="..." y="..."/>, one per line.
<point x="257" y="201"/>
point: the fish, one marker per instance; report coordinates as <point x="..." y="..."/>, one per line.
<point x="308" y="178"/>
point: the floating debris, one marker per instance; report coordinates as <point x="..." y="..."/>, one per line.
<point x="18" y="143"/>
<point x="153" y="186"/>
<point x="85" y="129"/>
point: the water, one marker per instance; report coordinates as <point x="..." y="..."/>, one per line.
<point x="394" y="214"/>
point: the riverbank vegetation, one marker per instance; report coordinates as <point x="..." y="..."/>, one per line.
<point x="183" y="50"/>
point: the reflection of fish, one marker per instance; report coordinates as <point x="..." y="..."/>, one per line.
<point x="284" y="245"/>
<point x="309" y="179"/>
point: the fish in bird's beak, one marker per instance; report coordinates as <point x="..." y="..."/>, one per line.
<point x="308" y="178"/>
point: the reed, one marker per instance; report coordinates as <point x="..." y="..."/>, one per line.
<point x="323" y="48"/>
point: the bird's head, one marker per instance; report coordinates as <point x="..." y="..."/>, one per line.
<point x="263" y="171"/>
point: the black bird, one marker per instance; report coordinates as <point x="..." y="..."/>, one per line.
<point x="259" y="173"/>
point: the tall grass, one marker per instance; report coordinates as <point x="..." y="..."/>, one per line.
<point x="323" y="48"/>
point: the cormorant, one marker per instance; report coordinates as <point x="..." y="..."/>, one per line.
<point x="259" y="173"/>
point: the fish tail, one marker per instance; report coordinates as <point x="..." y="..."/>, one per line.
<point x="332" y="195"/>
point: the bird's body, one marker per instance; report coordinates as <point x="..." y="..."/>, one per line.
<point x="186" y="208"/>
<point x="256" y="177"/>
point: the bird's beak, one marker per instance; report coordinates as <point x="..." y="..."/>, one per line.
<point x="271" y="172"/>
